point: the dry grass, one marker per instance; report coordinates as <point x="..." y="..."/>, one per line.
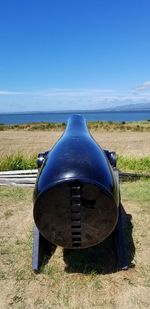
<point x="69" y="282"/>
<point x="124" y="143"/>
<point x="73" y="281"/>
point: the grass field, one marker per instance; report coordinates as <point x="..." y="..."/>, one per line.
<point x="19" y="161"/>
<point x="139" y="126"/>
<point x="75" y="280"/>
<point x="127" y="143"/>
<point x="19" y="148"/>
<point x="87" y="279"/>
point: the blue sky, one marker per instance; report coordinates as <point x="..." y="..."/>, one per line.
<point x="73" y="54"/>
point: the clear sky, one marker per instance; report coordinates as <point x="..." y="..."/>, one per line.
<point x="73" y="54"/>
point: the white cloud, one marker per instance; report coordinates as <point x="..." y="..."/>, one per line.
<point x="143" y="87"/>
<point x="3" y="93"/>
<point x="73" y="99"/>
<point x="58" y="92"/>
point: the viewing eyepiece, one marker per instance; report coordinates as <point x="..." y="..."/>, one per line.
<point x="41" y="158"/>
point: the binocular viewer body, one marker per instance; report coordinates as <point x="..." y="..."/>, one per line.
<point x="76" y="197"/>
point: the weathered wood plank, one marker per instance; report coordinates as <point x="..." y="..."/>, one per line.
<point x="35" y="171"/>
<point x="19" y="172"/>
<point x="28" y="177"/>
<point x="18" y="176"/>
<point x="20" y="181"/>
<point x="131" y="176"/>
<point x="17" y="185"/>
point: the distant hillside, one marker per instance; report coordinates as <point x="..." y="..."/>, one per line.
<point x="131" y="107"/>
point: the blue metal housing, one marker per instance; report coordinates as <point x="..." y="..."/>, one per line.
<point x="76" y="197"/>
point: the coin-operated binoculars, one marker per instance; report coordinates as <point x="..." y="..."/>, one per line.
<point x="77" y="196"/>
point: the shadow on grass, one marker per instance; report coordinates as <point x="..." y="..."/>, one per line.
<point x="101" y="259"/>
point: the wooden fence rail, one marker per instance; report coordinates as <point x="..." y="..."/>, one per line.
<point x="28" y="177"/>
<point x="18" y="178"/>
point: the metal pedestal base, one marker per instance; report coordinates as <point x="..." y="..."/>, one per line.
<point x="42" y="250"/>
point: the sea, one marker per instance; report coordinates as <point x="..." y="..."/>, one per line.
<point x="115" y="116"/>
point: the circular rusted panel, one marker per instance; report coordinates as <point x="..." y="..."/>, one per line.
<point x="75" y="215"/>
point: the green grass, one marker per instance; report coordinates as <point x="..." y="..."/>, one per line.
<point x="34" y="126"/>
<point x="137" y="192"/>
<point x="139" y="126"/>
<point x="19" y="161"/>
<point x="140" y="165"/>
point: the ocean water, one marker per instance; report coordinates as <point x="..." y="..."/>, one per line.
<point x="119" y="116"/>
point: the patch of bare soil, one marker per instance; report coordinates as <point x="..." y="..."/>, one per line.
<point x="126" y="143"/>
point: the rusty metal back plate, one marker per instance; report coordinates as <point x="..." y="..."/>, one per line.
<point x="75" y="215"/>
